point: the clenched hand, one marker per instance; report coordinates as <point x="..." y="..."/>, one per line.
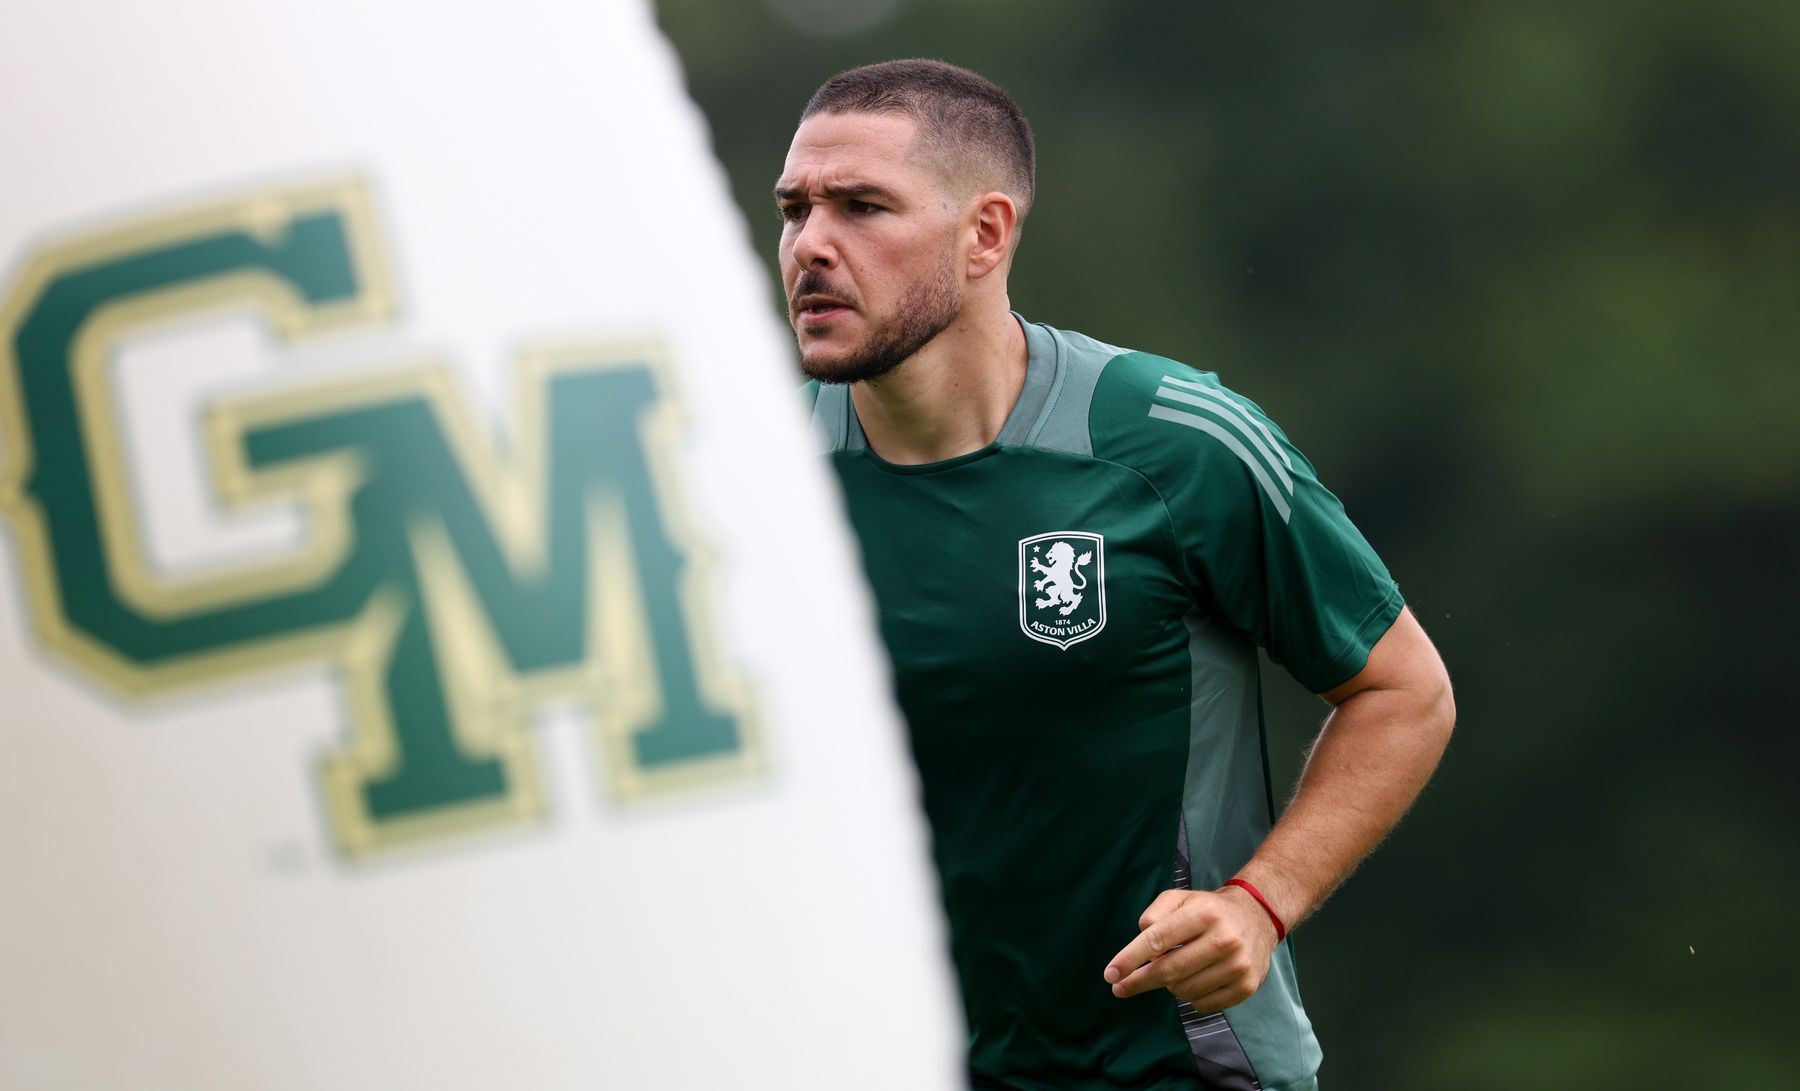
<point x="1210" y="949"/>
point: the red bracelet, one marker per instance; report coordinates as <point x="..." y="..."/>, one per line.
<point x="1280" y="929"/>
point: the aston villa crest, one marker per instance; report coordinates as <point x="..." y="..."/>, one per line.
<point x="1062" y="586"/>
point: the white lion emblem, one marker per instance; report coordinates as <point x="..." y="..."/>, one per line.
<point x="1063" y="579"/>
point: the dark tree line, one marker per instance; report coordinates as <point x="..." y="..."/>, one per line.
<point x="1524" y="281"/>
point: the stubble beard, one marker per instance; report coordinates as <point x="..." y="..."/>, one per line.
<point x="926" y="310"/>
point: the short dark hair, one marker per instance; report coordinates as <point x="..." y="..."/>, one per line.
<point x="966" y="117"/>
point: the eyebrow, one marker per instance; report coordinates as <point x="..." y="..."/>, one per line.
<point x="854" y="191"/>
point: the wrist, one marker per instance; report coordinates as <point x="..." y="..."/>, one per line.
<point x="1249" y="890"/>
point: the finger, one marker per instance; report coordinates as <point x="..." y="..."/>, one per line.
<point x="1167" y="902"/>
<point x="1182" y="926"/>
<point x="1223" y="974"/>
<point x="1158" y="939"/>
<point x="1186" y="961"/>
<point x="1140" y="950"/>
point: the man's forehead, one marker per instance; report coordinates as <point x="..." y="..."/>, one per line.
<point x="841" y="148"/>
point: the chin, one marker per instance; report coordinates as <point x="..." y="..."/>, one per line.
<point x="825" y="354"/>
<point x="828" y="369"/>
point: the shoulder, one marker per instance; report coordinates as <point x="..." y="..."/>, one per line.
<point x="1202" y="446"/>
<point x="1072" y="350"/>
<point x="1108" y="377"/>
<point x="1164" y="416"/>
<point x="1138" y="376"/>
<point x="1165" y="419"/>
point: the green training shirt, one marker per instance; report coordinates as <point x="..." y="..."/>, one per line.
<point x="1073" y="614"/>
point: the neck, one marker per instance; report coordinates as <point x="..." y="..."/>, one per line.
<point x="953" y="397"/>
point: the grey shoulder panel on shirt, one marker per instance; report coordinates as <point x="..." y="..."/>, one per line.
<point x="1064" y="369"/>
<point x="832" y="419"/>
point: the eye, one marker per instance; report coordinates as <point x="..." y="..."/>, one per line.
<point x="792" y="213"/>
<point x="861" y="208"/>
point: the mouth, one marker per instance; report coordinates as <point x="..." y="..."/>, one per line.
<point x="814" y="308"/>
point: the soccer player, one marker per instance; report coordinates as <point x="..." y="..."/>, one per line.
<point x="1076" y="549"/>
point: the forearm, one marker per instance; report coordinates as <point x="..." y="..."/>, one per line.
<point x="1387" y="729"/>
<point x="1374" y="754"/>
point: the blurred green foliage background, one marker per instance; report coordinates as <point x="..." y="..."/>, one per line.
<point x="1524" y="281"/>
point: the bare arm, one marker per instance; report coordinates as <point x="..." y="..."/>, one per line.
<point x="1386" y="731"/>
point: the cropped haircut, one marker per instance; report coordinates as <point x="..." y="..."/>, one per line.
<point x="967" y="121"/>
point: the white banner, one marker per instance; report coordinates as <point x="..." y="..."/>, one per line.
<point x="429" y="652"/>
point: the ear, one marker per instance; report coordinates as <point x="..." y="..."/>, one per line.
<point x="996" y="224"/>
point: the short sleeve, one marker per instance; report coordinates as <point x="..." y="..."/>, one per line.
<point x="1267" y="547"/>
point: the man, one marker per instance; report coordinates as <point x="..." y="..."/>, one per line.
<point x="1076" y="550"/>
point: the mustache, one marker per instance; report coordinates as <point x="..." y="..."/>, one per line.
<point x="812" y="282"/>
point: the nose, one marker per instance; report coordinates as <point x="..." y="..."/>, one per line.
<point x="815" y="246"/>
